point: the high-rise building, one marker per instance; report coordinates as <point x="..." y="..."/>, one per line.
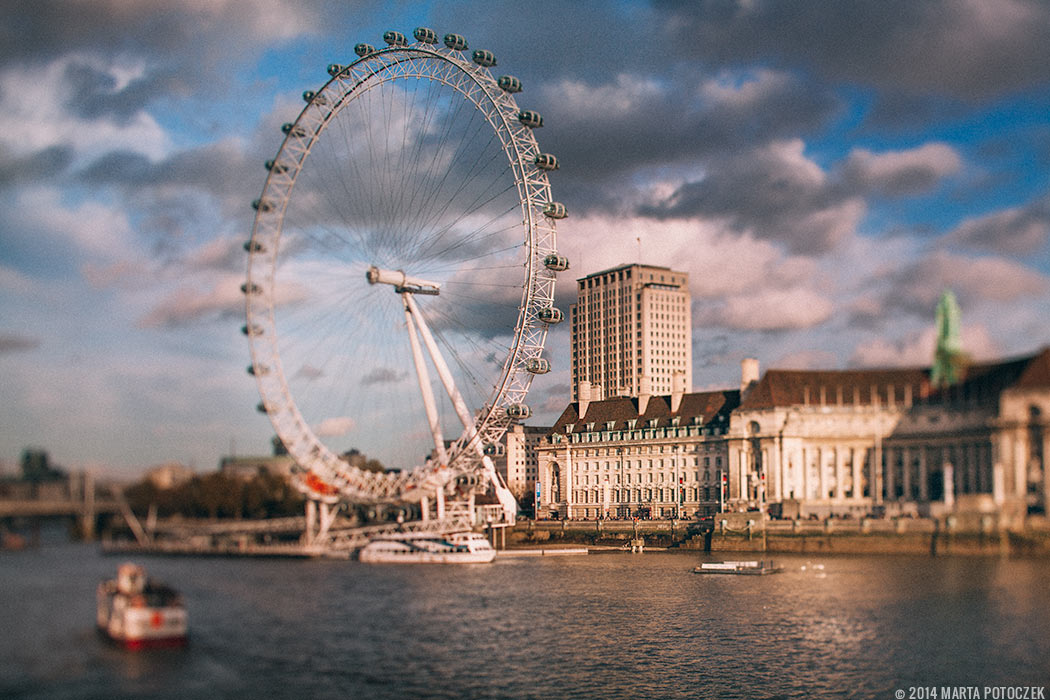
<point x="631" y="332"/>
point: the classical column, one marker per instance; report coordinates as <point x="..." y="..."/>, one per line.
<point x="924" y="476"/>
<point x="840" y="456"/>
<point x="1020" y="471"/>
<point x="822" y="483"/>
<point x="891" y="455"/>
<point x="804" y="473"/>
<point x="906" y="472"/>
<point x="857" y="456"/>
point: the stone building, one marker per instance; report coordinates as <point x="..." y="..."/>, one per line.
<point x="889" y="441"/>
<point x="631" y="324"/>
<point x="516" y="460"/>
<point x="645" y="456"/>
<point x="804" y="443"/>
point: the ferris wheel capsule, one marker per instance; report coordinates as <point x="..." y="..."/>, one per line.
<point x="425" y="35"/>
<point x="508" y="83"/>
<point x="538" y="365"/>
<point x="518" y="411"/>
<point x="551" y="315"/>
<point x="484" y="58"/>
<point x="253" y="246"/>
<point x="456" y="42"/>
<point x="393" y="38"/>
<point x="250" y="288"/>
<point x="364" y="50"/>
<point x="275" y="167"/>
<point x="556" y="263"/>
<point x="335" y="69"/>
<point x="531" y="119"/>
<point x="555" y="210"/>
<point x="293" y="130"/>
<point x="546" y="161"/>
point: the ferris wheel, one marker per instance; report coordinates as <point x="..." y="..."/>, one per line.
<point x="401" y="272"/>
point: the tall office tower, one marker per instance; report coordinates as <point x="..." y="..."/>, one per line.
<point x="632" y="333"/>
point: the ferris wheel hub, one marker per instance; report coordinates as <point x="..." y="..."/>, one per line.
<point x="402" y="282"/>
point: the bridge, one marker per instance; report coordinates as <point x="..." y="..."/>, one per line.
<point x="76" y="498"/>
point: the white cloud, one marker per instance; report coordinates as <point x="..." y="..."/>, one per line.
<point x="335" y="427"/>
<point x="34" y="114"/>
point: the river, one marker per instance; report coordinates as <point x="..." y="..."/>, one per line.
<point x="595" y="626"/>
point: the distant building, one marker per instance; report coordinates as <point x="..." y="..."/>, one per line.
<point x="631" y="332"/>
<point x="646" y="457"/>
<point x="802" y="443"/>
<point x="517" y="462"/>
<point x="169" y="476"/>
<point x="853" y="441"/>
<point x="247" y="468"/>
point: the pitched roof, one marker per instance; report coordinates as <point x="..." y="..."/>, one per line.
<point x="980" y="382"/>
<point x="706" y="405"/>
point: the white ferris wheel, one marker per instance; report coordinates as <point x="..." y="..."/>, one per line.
<point x="401" y="273"/>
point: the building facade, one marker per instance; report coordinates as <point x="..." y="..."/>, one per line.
<point x="636" y="457"/>
<point x="631" y="326"/>
<point x="517" y="462"/>
<point x="811" y="444"/>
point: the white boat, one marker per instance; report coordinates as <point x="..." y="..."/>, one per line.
<point x="137" y="612"/>
<point x="428" y="548"/>
<point x="746" y="568"/>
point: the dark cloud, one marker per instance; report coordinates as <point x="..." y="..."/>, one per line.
<point x="914" y="288"/>
<point x="16" y="342"/>
<point x="41" y="165"/>
<point x="774" y="192"/>
<point x="94" y="93"/>
<point x="609" y="134"/>
<point x="384" y="375"/>
<point x="965" y="49"/>
<point x="1018" y="231"/>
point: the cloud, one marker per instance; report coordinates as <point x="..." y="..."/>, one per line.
<point x="916" y="286"/>
<point x="335" y="427"/>
<point x="901" y="173"/>
<point x="773" y="191"/>
<point x="17" y="342"/>
<point x="1017" y="230"/>
<point x="383" y="375"/>
<point x="917" y="349"/>
<point x="965" y="49"/>
<point x="768" y="310"/>
<point x="187" y="305"/>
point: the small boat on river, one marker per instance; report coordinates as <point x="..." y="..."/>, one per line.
<point x="137" y="612"/>
<point x="743" y="568"/>
<point x="428" y="548"/>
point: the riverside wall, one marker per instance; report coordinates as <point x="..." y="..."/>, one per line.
<point x="961" y="535"/>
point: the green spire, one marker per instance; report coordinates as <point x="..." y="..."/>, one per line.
<point x="947" y="359"/>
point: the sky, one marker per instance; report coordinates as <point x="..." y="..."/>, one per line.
<point x="823" y="171"/>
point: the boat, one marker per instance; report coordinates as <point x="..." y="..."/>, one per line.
<point x="745" y="568"/>
<point x="137" y="612"/>
<point x="428" y="548"/>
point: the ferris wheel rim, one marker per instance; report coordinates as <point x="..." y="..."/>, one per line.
<point x="529" y="333"/>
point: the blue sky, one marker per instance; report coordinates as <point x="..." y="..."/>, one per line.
<point x="822" y="171"/>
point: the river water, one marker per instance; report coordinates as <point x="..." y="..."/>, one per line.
<point x="595" y="626"/>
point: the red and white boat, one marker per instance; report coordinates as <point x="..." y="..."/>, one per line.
<point x="137" y="612"/>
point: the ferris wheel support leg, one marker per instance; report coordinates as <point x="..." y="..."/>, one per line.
<point x="440" y="497"/>
<point x="311" y="520"/>
<point x="424" y="378"/>
<point x="424" y="508"/>
<point x="442" y="368"/>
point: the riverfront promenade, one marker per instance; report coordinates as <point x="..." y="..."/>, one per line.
<point x="961" y="534"/>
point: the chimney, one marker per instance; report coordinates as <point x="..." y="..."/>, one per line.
<point x="678" y="389"/>
<point x="644" y="392"/>
<point x="584" y="393"/>
<point x="748" y="374"/>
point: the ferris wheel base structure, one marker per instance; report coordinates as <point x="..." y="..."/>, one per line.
<point x="411" y="173"/>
